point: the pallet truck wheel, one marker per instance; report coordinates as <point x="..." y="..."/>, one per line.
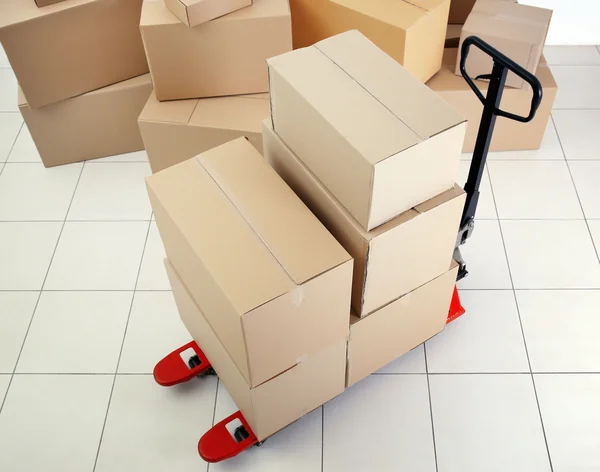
<point x="194" y="362"/>
<point x="240" y="434"/>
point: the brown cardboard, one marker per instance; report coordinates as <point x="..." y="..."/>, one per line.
<point x="271" y="406"/>
<point x="196" y="12"/>
<point x="96" y="124"/>
<point x="508" y="135"/>
<point x="452" y="36"/>
<point x="411" y="31"/>
<point x="460" y="9"/>
<point x="518" y="31"/>
<point x="398" y="327"/>
<point x="376" y="137"/>
<point x="72" y="47"/>
<point x="270" y="279"/>
<point x="225" y="56"/>
<point x="178" y="130"/>
<point x="43" y="3"/>
<point x="390" y="260"/>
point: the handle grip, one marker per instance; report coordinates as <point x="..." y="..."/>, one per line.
<point x="504" y="62"/>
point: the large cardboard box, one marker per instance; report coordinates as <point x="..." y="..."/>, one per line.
<point x="508" y="135"/>
<point x="376" y="137"/>
<point x="225" y="56"/>
<point x="196" y="12"/>
<point x="270" y="279"/>
<point x="177" y="130"/>
<point x="279" y="401"/>
<point x="460" y="9"/>
<point x="72" y="47"/>
<point x="518" y="31"/>
<point x="96" y="124"/>
<point x="397" y="328"/>
<point x="391" y="260"/>
<point x="412" y="32"/>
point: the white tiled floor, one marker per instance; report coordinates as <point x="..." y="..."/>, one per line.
<point x="86" y="311"/>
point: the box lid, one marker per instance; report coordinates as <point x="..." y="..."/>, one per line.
<point x="253" y="234"/>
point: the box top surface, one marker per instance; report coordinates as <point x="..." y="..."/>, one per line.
<point x="400" y="13"/>
<point x="253" y="234"/>
<point x="19" y="11"/>
<point x="377" y="105"/>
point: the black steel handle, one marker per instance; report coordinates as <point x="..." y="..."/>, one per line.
<point x="506" y="63"/>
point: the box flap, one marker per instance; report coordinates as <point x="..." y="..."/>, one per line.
<point x="243" y="113"/>
<point x="438" y="200"/>
<point x="173" y="111"/>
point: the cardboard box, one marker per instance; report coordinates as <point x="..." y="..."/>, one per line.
<point x="518" y="31"/>
<point x="376" y="137"/>
<point x="452" y="36"/>
<point x="390" y="260"/>
<point x="411" y="32"/>
<point x="178" y="130"/>
<point x="398" y="327"/>
<point x="43" y="3"/>
<point x="508" y="135"/>
<point x="196" y="12"/>
<point x="225" y="56"/>
<point x="73" y="47"/>
<point x="96" y="124"/>
<point x="271" y="406"/>
<point x="270" y="279"/>
<point x="460" y="9"/>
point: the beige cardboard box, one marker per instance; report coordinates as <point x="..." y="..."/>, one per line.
<point x="508" y="135"/>
<point x="412" y="32"/>
<point x="398" y="327"/>
<point x="460" y="9"/>
<point x="452" y="36"/>
<point x="279" y="401"/>
<point x="196" y="12"/>
<point x="272" y="282"/>
<point x="376" y="137"/>
<point x="518" y="31"/>
<point x="225" y="56"/>
<point x="177" y="130"/>
<point x="71" y="48"/>
<point x="96" y="124"/>
<point x="390" y="260"/>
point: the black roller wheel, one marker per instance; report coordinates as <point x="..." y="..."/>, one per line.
<point x="210" y="371"/>
<point x="240" y="434"/>
<point x="194" y="362"/>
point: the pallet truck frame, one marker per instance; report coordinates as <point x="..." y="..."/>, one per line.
<point x="218" y="444"/>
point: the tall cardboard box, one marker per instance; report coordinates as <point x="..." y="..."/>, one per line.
<point x="177" y="130"/>
<point x="374" y="135"/>
<point x="225" y="56"/>
<point x="312" y="381"/>
<point x="96" y="124"/>
<point x="508" y="135"/>
<point x="412" y="32"/>
<point x="72" y="47"/>
<point x="518" y="31"/>
<point x="394" y="258"/>
<point x="196" y="12"/>
<point x="270" y="279"/>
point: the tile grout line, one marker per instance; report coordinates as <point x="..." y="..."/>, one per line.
<point x="322" y="437"/>
<point x="11" y="148"/>
<point x="112" y="389"/>
<point x="430" y="407"/>
<point x="214" y="412"/>
<point x="42" y="286"/>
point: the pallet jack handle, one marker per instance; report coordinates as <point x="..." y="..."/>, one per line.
<point x="502" y="65"/>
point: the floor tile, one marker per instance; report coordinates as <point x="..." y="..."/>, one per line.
<point x="3" y="59"/>
<point x="16" y="310"/>
<point x="551" y="254"/>
<point x="30" y="192"/>
<point x="485" y="208"/>
<point x="561" y="329"/>
<point x="4" y="382"/>
<point x="78" y="332"/>
<point x="572" y="55"/>
<point x="487" y="423"/>
<point x="155" y="429"/>
<point x="571" y="415"/>
<point x="24" y="149"/>
<point x="595" y="229"/>
<point x="98" y="256"/>
<point x="487" y="338"/>
<point x="577" y="86"/>
<point x="53" y="422"/>
<point x="578" y="132"/>
<point x="380" y="424"/>
<point x="534" y="189"/>
<point x="137" y="156"/>
<point x="10" y="124"/>
<point x="8" y="91"/>
<point x="486" y="259"/>
<point x="26" y="248"/>
<point x="549" y="149"/>
<point x="586" y="175"/>
<point x="413" y="362"/>
<point x="153" y="275"/>
<point x="126" y="200"/>
<point x="154" y="330"/>
<point x="296" y="448"/>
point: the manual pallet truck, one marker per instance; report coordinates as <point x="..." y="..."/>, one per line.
<point x="218" y="444"/>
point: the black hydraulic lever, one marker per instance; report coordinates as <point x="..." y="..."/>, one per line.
<point x="502" y="65"/>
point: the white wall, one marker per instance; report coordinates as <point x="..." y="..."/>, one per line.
<point x="573" y="22"/>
